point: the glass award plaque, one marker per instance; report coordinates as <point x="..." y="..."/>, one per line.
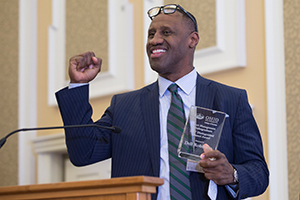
<point x="204" y="126"/>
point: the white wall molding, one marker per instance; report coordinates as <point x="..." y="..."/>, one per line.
<point x="50" y="150"/>
<point x="276" y="104"/>
<point x="53" y="166"/>
<point x="230" y="51"/>
<point x="56" y="50"/>
<point x="54" y="143"/>
<point x="120" y="76"/>
<point x="27" y="88"/>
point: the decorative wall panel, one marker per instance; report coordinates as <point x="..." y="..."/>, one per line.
<point x="292" y="73"/>
<point x="9" y="90"/>
<point x="117" y="44"/>
<point x="87" y="29"/>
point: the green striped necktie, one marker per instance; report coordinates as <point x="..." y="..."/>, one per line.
<point x="179" y="177"/>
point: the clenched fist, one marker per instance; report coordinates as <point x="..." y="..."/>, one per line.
<point x="83" y="68"/>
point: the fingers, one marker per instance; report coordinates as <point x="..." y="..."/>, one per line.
<point x="207" y="148"/>
<point x="221" y="174"/>
<point x="211" y="159"/>
<point x="84" y="61"/>
<point x="212" y="155"/>
<point x="84" y="67"/>
<point x="96" y="61"/>
<point x="218" y="169"/>
<point x="206" y="154"/>
<point x="86" y="58"/>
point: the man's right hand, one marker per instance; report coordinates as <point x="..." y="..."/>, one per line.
<point x="83" y="68"/>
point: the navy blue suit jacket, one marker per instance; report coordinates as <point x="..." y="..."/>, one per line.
<point x="136" y="150"/>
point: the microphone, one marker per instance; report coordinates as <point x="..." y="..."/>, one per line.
<point x="114" y="129"/>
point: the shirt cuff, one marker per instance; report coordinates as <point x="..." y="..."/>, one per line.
<point x="233" y="190"/>
<point x="74" y="85"/>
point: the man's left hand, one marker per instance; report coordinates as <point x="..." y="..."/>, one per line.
<point x="216" y="166"/>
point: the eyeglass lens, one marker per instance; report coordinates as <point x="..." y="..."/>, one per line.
<point x="167" y="9"/>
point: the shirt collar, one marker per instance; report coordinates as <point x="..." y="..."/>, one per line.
<point x="186" y="83"/>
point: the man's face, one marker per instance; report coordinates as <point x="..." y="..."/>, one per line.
<point x="168" y="45"/>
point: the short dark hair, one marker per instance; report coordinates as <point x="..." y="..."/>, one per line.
<point x="193" y="26"/>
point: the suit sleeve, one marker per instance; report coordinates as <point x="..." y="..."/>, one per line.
<point x="248" y="152"/>
<point x="85" y="145"/>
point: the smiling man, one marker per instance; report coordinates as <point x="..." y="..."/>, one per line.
<point x="171" y="45"/>
<point x="152" y="119"/>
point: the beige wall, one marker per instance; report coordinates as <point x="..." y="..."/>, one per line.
<point x="9" y="14"/>
<point x="292" y="72"/>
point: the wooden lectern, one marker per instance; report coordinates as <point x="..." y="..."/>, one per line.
<point x="127" y="188"/>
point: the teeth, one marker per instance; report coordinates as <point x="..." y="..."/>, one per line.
<point x="158" y="51"/>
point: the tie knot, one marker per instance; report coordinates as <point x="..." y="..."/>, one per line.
<point x="173" y="88"/>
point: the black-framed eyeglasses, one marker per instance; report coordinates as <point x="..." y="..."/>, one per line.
<point x="170" y="9"/>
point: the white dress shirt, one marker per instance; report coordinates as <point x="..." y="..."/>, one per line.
<point x="187" y="91"/>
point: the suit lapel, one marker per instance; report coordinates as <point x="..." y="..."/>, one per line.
<point x="150" y="113"/>
<point x="204" y="93"/>
<point x="205" y="96"/>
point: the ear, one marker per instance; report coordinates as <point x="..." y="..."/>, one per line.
<point x="194" y="39"/>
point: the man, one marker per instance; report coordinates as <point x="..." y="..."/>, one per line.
<point x="238" y="167"/>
